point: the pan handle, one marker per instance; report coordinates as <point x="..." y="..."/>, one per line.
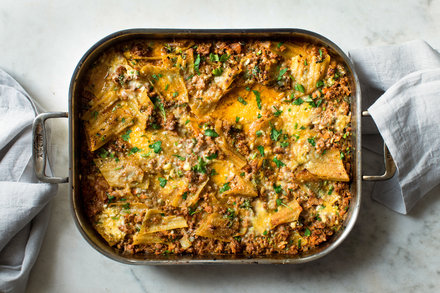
<point x="390" y="166"/>
<point x="39" y="147"/>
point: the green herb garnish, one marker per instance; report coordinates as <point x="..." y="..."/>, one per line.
<point x="224" y="188"/>
<point x="211" y="133"/>
<point x="126" y="136"/>
<point x="278" y="162"/>
<point x="261" y="150"/>
<point x="258" y="98"/>
<point x="156" y="147"/>
<point x="162" y="182"/>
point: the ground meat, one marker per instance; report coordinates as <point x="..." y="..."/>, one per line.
<point x="341" y="88"/>
<point x="171" y="122"/>
<point x="203" y="48"/>
<point x="140" y="50"/>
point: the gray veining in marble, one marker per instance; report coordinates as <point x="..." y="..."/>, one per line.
<point x="40" y="44"/>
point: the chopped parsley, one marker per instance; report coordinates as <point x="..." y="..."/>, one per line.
<point x="156" y="147"/>
<point x="167" y="86"/>
<point x="197" y="64"/>
<point x="126" y="136"/>
<point x="307" y="232"/>
<point x="265" y="232"/>
<point x="217" y="71"/>
<point x="95" y="115"/>
<point x="237" y="119"/>
<point x="161" y="108"/>
<point x="175" y="94"/>
<point x="299" y="88"/>
<point x="162" y="182"/>
<point x="281" y="73"/>
<point x="319" y="83"/>
<point x="212" y="156"/>
<point x="185" y="195"/>
<point x="187" y="121"/>
<point x="284" y="144"/>
<point x="342" y="155"/>
<point x="258" y="98"/>
<point x="261" y="150"/>
<point x="211" y="133"/>
<point x="214" y="57"/>
<point x="259" y="133"/>
<point x="277" y="189"/>
<point x="320" y="53"/>
<point x="103" y="153"/>
<point x="134" y="150"/>
<point x="280" y="44"/>
<point x="201" y="166"/>
<point x="311" y="140"/>
<point x="278" y="162"/>
<point x="224" y="58"/>
<point x="241" y="100"/>
<point x="180" y="157"/>
<point x="225" y="187"/>
<point x="277" y="112"/>
<point x="298" y="102"/>
<point x="274" y="133"/>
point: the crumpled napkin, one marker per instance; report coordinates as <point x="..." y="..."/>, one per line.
<point x="401" y="89"/>
<point x="24" y="208"/>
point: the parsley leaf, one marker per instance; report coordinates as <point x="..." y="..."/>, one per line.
<point x="330" y="190"/>
<point x="217" y="71"/>
<point x="277" y="189"/>
<point x="259" y="133"/>
<point x="278" y="112"/>
<point x="126" y="136"/>
<point x="224" y="58"/>
<point x="162" y="182"/>
<point x="201" y="166"/>
<point x="241" y="100"/>
<point x="180" y="157"/>
<point x="258" y="98"/>
<point x="212" y="156"/>
<point x="299" y="88"/>
<point x="311" y="140"/>
<point x="278" y="162"/>
<point x="307" y="232"/>
<point x="298" y="102"/>
<point x="274" y="133"/>
<point x="197" y="64"/>
<point x="213" y="57"/>
<point x="261" y="150"/>
<point x="280" y="75"/>
<point x="225" y="187"/>
<point x="134" y="150"/>
<point x="284" y="144"/>
<point x="185" y="195"/>
<point x="319" y="83"/>
<point x="211" y="133"/>
<point x="156" y="147"/>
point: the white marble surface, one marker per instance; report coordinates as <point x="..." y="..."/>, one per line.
<point x="40" y="44"/>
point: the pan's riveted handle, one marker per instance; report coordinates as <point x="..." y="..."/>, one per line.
<point x="390" y="166"/>
<point x="39" y="147"/>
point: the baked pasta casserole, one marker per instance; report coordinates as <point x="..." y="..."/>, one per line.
<point x="204" y="147"/>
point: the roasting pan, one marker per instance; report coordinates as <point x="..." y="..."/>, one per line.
<point x="78" y="212"/>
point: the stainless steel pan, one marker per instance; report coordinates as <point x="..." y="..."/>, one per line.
<point x="81" y="220"/>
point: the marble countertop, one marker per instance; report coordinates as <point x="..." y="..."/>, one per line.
<point x="40" y="44"/>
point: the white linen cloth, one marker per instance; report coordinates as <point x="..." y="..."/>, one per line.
<point x="24" y="208"/>
<point x="401" y="89"/>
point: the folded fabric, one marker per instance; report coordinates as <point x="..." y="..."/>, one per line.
<point x="24" y="209"/>
<point x="401" y="89"/>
